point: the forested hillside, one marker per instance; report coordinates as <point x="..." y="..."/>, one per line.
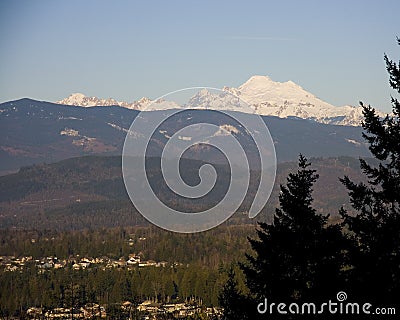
<point x="88" y="192"/>
<point x="193" y="265"/>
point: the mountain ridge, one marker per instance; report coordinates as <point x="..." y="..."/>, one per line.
<point x="89" y="190"/>
<point x="263" y="95"/>
<point x="36" y="132"/>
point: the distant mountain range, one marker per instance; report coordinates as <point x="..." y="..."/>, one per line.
<point x="265" y="97"/>
<point x="36" y="132"/>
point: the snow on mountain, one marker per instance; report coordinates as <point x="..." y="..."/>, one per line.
<point x="161" y="104"/>
<point x="79" y="99"/>
<point x="287" y="99"/>
<point x="205" y="99"/>
<point x="259" y="95"/>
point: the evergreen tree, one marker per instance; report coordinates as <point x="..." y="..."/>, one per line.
<point x="375" y="227"/>
<point x="298" y="257"/>
<point x="234" y="302"/>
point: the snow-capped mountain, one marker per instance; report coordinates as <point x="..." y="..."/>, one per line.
<point x="207" y="100"/>
<point x="79" y="99"/>
<point x="287" y="99"/>
<point x="259" y="95"/>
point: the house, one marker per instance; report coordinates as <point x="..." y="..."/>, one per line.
<point x="149" y="306"/>
<point x="127" y="305"/>
<point x="59" y="265"/>
<point x="133" y="260"/>
<point x="149" y="263"/>
<point x="93" y="310"/>
<point x="84" y="265"/>
<point x="34" y="313"/>
<point x="76" y="266"/>
<point x="173" y="307"/>
<point x="63" y="313"/>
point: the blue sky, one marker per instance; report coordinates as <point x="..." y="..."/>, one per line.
<point x="130" y="49"/>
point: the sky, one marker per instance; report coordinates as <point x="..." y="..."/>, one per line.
<point x="130" y="49"/>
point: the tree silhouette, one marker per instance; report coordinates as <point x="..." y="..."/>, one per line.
<point x="375" y="227"/>
<point x="298" y="257"/>
<point x="235" y="303"/>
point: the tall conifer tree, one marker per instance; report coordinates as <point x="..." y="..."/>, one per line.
<point x="297" y="257"/>
<point x="375" y="226"/>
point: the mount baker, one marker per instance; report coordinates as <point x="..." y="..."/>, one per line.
<point x="264" y="96"/>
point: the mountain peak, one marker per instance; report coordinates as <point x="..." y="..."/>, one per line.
<point x="258" y="80"/>
<point x="265" y="82"/>
<point x="261" y="94"/>
<point x="259" y="77"/>
<point x="144" y="100"/>
<point x="75" y="98"/>
<point x="79" y="99"/>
